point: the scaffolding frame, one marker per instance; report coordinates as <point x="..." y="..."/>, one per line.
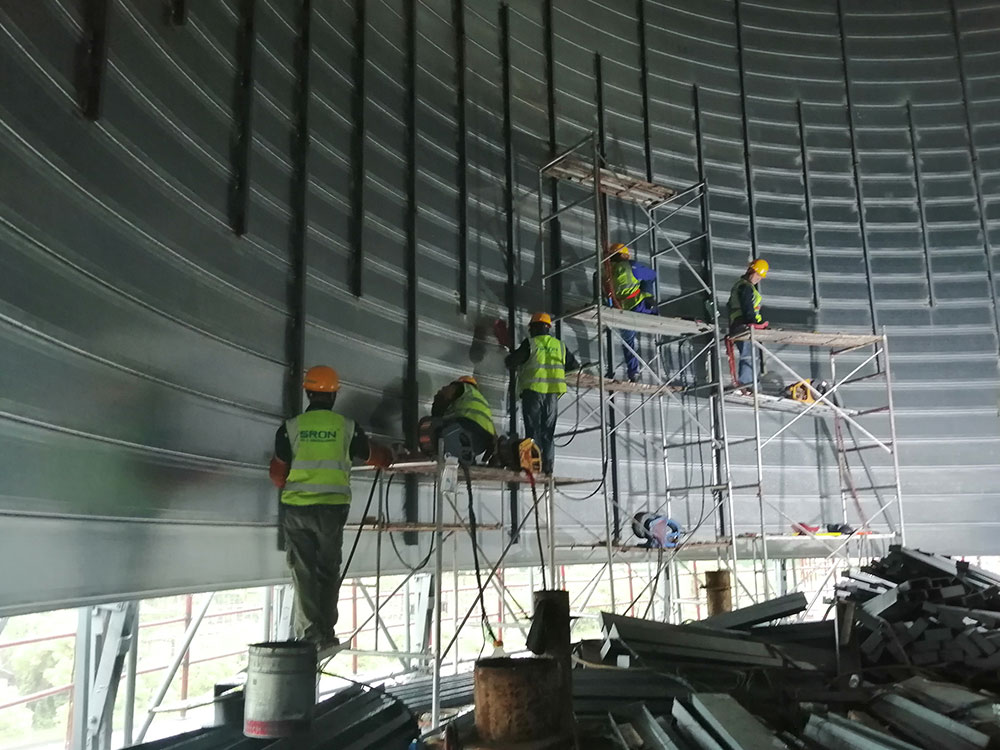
<point x="583" y="166"/>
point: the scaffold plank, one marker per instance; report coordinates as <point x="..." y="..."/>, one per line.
<point x="589" y="380"/>
<point x="642" y="322"/>
<point x="832" y="340"/>
<point x="786" y="405"/>
<point x="429" y="468"/>
<point x="617" y="184"/>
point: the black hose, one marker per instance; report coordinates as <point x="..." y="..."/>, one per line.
<point x="361" y="526"/>
<point x="475" y="554"/>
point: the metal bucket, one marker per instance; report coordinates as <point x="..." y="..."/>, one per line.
<point x="280" y="690"/>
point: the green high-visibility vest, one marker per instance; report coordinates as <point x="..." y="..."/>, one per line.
<point x="321" y="459"/>
<point x="627" y="288"/>
<point x="545" y="369"/>
<point x="736" y="309"/>
<point x="472" y="405"/>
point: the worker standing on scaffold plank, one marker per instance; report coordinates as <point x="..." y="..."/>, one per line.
<point x="312" y="466"/>
<point x="744" y="313"/>
<point x="627" y="280"/>
<point x="541" y="362"/>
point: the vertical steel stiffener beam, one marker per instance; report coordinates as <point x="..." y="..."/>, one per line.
<point x="554" y="258"/>
<point x="458" y="22"/>
<point x="610" y="335"/>
<point x="295" y="341"/>
<point x="918" y="179"/>
<point x="807" y="196"/>
<point x="93" y="57"/>
<point x="977" y="177"/>
<point x="359" y="66"/>
<point x="748" y="167"/>
<point x="510" y="289"/>
<point x="177" y="12"/>
<point x="856" y="165"/>
<point x="242" y="128"/>
<point x="411" y="387"/>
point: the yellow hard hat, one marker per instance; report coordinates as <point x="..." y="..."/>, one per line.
<point x="618" y="249"/>
<point x="542" y="318"/>
<point x="321" y="379"/>
<point x="759" y="266"/>
<point x="468" y="379"/>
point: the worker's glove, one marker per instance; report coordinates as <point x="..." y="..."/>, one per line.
<point x="758" y="326"/>
<point x="379" y="455"/>
<point x="279" y="472"/>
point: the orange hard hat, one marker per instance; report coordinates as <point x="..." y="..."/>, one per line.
<point x="542" y="318"/>
<point x="618" y="249"/>
<point x="468" y="379"/>
<point x="321" y="379"/>
<point x="759" y="266"/>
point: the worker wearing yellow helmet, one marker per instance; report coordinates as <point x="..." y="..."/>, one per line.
<point x="466" y="420"/>
<point x="312" y="466"/>
<point x="541" y="363"/>
<point x="631" y="284"/>
<point x="744" y="312"/>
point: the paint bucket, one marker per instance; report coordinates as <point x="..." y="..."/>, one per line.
<point x="281" y="689"/>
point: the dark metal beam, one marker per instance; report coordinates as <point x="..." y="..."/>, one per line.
<point x="716" y="403"/>
<point x="242" y="133"/>
<point x="977" y="177"/>
<point x="610" y="335"/>
<point x="356" y="231"/>
<point x="411" y="387"/>
<point x="458" y="21"/>
<point x="859" y="191"/>
<point x="298" y="268"/>
<point x="807" y="194"/>
<point x="921" y="208"/>
<point x="93" y="56"/>
<point x="510" y="288"/>
<point x="177" y="11"/>
<point x="748" y="167"/>
<point x="555" y="228"/>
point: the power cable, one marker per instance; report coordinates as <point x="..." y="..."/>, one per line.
<point x="475" y="554"/>
<point x="392" y="540"/>
<point x="361" y="526"/>
<point x="538" y="528"/>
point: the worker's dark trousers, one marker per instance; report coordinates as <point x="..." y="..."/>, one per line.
<point x="629" y="344"/>
<point x="539" y="413"/>
<point x="314" y="538"/>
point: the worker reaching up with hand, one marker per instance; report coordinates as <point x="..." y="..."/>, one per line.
<point x="541" y="362"/>
<point x="631" y="283"/>
<point x="744" y="313"/>
<point x="312" y="466"/>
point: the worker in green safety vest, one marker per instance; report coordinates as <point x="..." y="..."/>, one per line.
<point x="744" y="312"/>
<point x="631" y="282"/>
<point x="466" y="420"/>
<point x="312" y="466"/>
<point x="541" y="363"/>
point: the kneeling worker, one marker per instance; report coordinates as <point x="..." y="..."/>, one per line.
<point x="541" y="361"/>
<point x="744" y="312"/>
<point x="466" y="420"/>
<point x="312" y="466"/>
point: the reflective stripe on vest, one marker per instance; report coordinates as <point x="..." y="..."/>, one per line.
<point x="472" y="405"/>
<point x="736" y="309"/>
<point x="627" y="288"/>
<point x="545" y="369"/>
<point x="321" y="459"/>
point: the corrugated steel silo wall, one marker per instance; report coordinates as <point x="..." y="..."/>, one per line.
<point x="145" y="344"/>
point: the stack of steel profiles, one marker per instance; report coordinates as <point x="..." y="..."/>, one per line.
<point x="929" y="611"/>
<point x="355" y="718"/>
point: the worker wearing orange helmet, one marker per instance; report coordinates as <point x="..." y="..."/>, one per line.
<point x="631" y="281"/>
<point x="541" y="362"/>
<point x="312" y="466"/>
<point x="466" y="420"/>
<point x="744" y="312"/>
